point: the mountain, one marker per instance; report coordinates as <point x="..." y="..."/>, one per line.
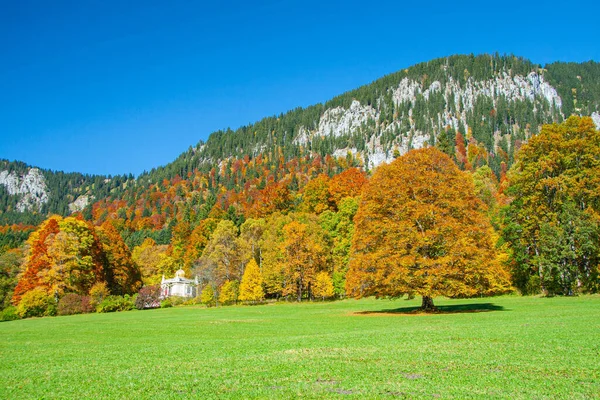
<point x="28" y="193"/>
<point x="489" y="103"/>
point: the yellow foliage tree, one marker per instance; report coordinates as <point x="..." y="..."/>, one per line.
<point x="272" y="255"/>
<point x="208" y="296"/>
<point x="323" y="286"/>
<point x="153" y="261"/>
<point x="304" y="255"/>
<point x="229" y="292"/>
<point x="251" y="286"/>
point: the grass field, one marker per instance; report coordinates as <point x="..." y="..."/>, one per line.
<point x="515" y="347"/>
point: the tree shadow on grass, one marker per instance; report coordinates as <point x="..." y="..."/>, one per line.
<point x="446" y="309"/>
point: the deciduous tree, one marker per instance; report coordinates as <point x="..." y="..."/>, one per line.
<point x="553" y="221"/>
<point x="224" y="257"/>
<point x="304" y="256"/>
<point x="347" y="184"/>
<point x="123" y="276"/>
<point x="229" y="292"/>
<point x="323" y="286"/>
<point x="420" y="230"/>
<point x="251" y="286"/>
<point x="315" y="195"/>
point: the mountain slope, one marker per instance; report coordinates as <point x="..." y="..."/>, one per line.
<point x="28" y="194"/>
<point x="490" y="103"/>
<point x="497" y="97"/>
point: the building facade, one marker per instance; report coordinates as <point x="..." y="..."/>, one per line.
<point x="178" y="286"/>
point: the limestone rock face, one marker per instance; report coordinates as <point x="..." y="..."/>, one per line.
<point x="596" y="118"/>
<point x="458" y="100"/>
<point x="80" y="203"/>
<point x="337" y="121"/>
<point x="31" y="187"/>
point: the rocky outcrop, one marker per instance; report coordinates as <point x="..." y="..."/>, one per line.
<point x="458" y="100"/>
<point x="80" y="203"/>
<point x="596" y="118"/>
<point x="338" y="121"/>
<point x="30" y="187"/>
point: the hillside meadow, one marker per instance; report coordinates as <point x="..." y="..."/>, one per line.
<point x="500" y="347"/>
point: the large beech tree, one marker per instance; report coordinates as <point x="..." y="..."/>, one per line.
<point x="421" y="230"/>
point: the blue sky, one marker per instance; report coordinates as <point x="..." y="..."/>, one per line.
<point x="116" y="87"/>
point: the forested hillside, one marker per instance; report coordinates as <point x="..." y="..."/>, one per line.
<point x="492" y="103"/>
<point x="29" y="194"/>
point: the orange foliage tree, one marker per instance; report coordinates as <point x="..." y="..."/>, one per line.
<point x="347" y="184"/>
<point x="37" y="258"/>
<point x="122" y="274"/>
<point x="421" y="230"/>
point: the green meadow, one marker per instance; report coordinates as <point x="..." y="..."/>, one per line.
<point x="501" y="347"/>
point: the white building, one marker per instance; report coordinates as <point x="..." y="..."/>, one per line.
<point x="178" y="286"/>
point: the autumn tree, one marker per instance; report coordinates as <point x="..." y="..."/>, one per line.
<point x="339" y="228"/>
<point x="486" y="186"/>
<point x="207" y="297"/>
<point x="420" y="230"/>
<point x="315" y="195"/>
<point x="77" y="260"/>
<point x="304" y="256"/>
<point x="251" y="232"/>
<point x="274" y="197"/>
<point x="229" y="292"/>
<point x="347" y="184"/>
<point x="251" y="286"/>
<point x="123" y="276"/>
<point x="272" y="263"/>
<point x="198" y="240"/>
<point x="553" y="221"/>
<point x="153" y="261"/>
<point x="10" y="265"/>
<point x="323" y="286"/>
<point x="65" y="255"/>
<point x="224" y="257"/>
<point x="37" y="259"/>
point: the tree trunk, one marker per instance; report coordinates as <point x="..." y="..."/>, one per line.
<point x="427" y="304"/>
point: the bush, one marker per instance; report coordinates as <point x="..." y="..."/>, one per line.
<point x="148" y="297"/>
<point x="98" y="293"/>
<point x="166" y="303"/>
<point x="192" y="301"/>
<point x="9" y="314"/>
<point x="116" y="303"/>
<point x="177" y="300"/>
<point x="73" y="303"/>
<point x="36" y="303"/>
